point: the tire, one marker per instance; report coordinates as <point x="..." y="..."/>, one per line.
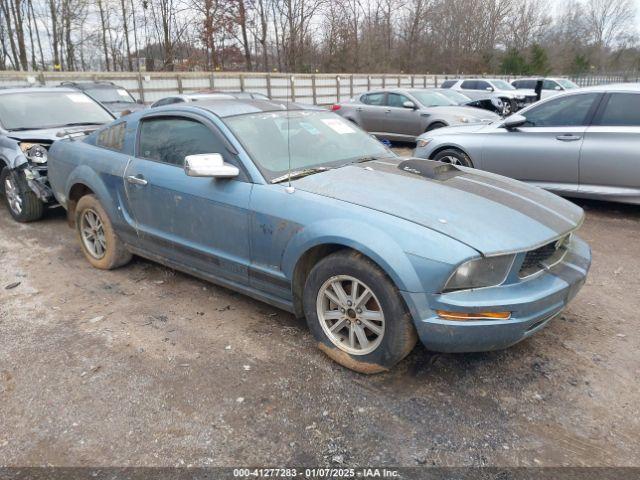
<point x="102" y="247"/>
<point x="435" y="126"/>
<point x="455" y="157"/>
<point x="23" y="204"/>
<point x="395" y="337"/>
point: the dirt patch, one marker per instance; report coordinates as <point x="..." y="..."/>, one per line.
<point x="146" y="366"/>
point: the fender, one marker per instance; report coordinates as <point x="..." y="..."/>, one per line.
<point x="376" y="244"/>
<point x="85" y="175"/>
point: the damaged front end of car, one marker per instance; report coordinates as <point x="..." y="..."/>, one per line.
<point x="32" y="162"/>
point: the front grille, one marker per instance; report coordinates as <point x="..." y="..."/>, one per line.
<point x="545" y="256"/>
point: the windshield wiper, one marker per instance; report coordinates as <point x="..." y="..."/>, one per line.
<point x="299" y="174"/>
<point x="77" y="124"/>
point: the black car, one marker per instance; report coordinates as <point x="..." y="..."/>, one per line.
<point x="114" y="97"/>
<point x="493" y="103"/>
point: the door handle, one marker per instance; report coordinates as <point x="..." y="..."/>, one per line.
<point x="137" y="180"/>
<point x="568" y="138"/>
<point x="359" y="109"/>
<point x="388" y="110"/>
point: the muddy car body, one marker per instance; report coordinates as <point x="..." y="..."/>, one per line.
<point x="25" y="139"/>
<point x="301" y="209"/>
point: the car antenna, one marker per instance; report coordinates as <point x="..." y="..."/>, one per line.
<point x="289" y="188"/>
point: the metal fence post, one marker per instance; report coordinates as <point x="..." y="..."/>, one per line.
<point x="337" y="89"/>
<point x="140" y="88"/>
<point x="212" y="81"/>
<point x="313" y="89"/>
<point x="179" y="79"/>
<point x="269" y="85"/>
<point x="241" y="82"/>
<point x="384" y="80"/>
<point x="368" y="82"/>
<point x="351" y="86"/>
<point x="293" y="88"/>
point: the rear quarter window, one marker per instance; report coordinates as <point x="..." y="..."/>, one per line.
<point x="112" y="137"/>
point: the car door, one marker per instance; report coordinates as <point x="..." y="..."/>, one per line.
<point x="372" y="112"/>
<point x="546" y="150"/>
<point x="550" y="88"/>
<point x="202" y="223"/>
<point x="400" y="120"/>
<point x="610" y="156"/>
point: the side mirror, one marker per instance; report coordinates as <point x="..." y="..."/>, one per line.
<point x="514" y="121"/>
<point x="209" y="165"/>
<point x="558" y="87"/>
<point x="409" y="104"/>
<point x="489" y="89"/>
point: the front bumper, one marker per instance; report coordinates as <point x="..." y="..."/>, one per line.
<point x="532" y="302"/>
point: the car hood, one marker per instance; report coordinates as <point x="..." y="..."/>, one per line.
<point x="487" y="212"/>
<point x="49" y="134"/>
<point x="456" y="129"/>
<point x="462" y="111"/>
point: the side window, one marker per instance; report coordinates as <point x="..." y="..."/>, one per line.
<point x="170" y="139"/>
<point x="549" y="85"/>
<point x="469" y="85"/>
<point x="482" y="85"/>
<point x="448" y="83"/>
<point x="518" y="83"/>
<point x="562" y="112"/>
<point x="622" y="110"/>
<point x="112" y="137"/>
<point x="396" y="100"/>
<point x="373" y="99"/>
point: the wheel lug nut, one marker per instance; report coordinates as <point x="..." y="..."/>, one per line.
<point x="358" y="310"/>
<point x="342" y="310"/>
<point x="349" y="302"/>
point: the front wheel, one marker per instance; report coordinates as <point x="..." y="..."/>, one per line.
<point x="356" y="314"/>
<point x="22" y="202"/>
<point x="454" y="157"/>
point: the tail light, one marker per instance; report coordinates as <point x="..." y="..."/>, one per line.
<point x="335" y="107"/>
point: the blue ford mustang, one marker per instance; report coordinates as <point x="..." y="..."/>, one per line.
<point x="299" y="208"/>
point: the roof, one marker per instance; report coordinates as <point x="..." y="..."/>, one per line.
<point x="23" y="90"/>
<point x="614" y="87"/>
<point x="237" y="106"/>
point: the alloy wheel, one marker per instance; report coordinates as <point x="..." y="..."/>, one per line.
<point x="350" y="315"/>
<point x="13" y="196"/>
<point x="92" y="232"/>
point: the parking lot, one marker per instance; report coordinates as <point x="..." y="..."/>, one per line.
<point x="146" y="366"/>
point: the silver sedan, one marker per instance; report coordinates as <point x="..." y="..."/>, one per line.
<point x="583" y="143"/>
<point x="404" y="114"/>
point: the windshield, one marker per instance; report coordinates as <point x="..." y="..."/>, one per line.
<point x="502" y="85"/>
<point x="432" y="99"/>
<point x="49" y="110"/>
<point x="316" y="139"/>
<point x="567" y="84"/>
<point x="457" y="97"/>
<point x="110" y="95"/>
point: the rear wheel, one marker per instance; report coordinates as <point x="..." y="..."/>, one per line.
<point x="100" y="244"/>
<point x="356" y="313"/>
<point x="22" y="202"/>
<point x="454" y="157"/>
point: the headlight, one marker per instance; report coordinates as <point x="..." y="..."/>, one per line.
<point x="481" y="272"/>
<point x="34" y="152"/>
<point x="423" y="142"/>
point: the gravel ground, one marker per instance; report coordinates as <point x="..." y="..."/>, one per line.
<point x="146" y="366"/>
